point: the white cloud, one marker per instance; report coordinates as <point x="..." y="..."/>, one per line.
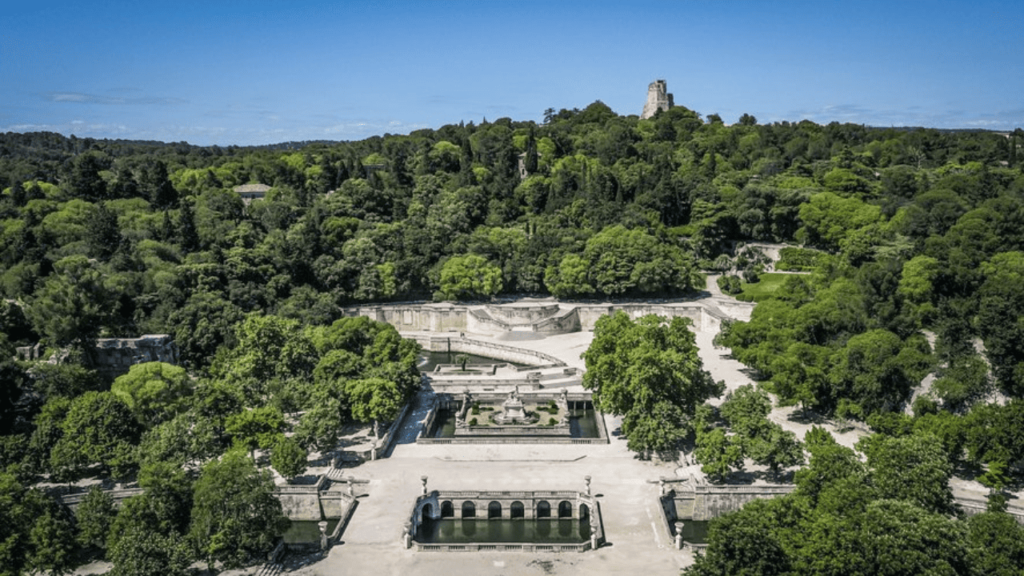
<point x="80" y="98"/>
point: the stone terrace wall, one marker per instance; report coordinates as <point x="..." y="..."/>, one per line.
<point x="426" y="317"/>
<point x="488" y="349"/>
<point x="522" y="315"/>
<point x="115" y="356"/>
<point x="707" y="502"/>
<point x="545" y="318"/>
<point x="301" y="502"/>
<point x="703" y="319"/>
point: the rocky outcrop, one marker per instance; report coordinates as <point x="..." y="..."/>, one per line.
<point x="658" y="98"/>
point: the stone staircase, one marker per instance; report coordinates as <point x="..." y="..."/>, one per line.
<point x="271" y="569"/>
<point x="336" y="475"/>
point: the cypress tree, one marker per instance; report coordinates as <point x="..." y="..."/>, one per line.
<point x="188" y="236"/>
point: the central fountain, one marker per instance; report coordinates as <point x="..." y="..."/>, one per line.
<point x="513" y="413"/>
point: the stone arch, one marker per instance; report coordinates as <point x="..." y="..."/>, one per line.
<point x="584" y="511"/>
<point x="543" y="509"/>
<point x="427" y="511"/>
<point x="468" y="509"/>
<point x="494" y="510"/>
<point x="565" y="509"/>
<point x="517" y="510"/>
<point x="447" y="509"/>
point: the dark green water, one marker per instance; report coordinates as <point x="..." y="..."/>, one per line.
<point x="307" y="531"/>
<point x="583" y="424"/>
<point x="430" y="360"/>
<point x="478" y="530"/>
<point x="695" y="531"/>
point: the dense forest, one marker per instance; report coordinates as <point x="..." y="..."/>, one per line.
<point x="913" y="240"/>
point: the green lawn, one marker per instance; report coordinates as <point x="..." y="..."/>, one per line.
<point x="770" y="282"/>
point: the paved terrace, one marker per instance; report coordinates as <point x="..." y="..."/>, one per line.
<point x="626" y="487"/>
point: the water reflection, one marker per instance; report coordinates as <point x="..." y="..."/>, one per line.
<point x="478" y="530"/>
<point x="306" y="531"/>
<point x="582" y="424"/>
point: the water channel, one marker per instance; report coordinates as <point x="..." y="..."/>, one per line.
<point x="695" y="531"/>
<point x="305" y="531"/>
<point x="582" y="422"/>
<point x="429" y="360"/>
<point x="503" y="531"/>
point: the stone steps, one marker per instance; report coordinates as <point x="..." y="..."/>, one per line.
<point x="271" y="569"/>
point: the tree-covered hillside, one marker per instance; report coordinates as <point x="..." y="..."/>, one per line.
<point x="908" y="235"/>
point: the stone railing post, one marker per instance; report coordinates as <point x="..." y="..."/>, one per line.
<point x="322" y="525"/>
<point x="679" y="535"/>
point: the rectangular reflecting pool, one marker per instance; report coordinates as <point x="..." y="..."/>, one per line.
<point x="303" y="531"/>
<point x="503" y="531"/>
<point x="430" y="360"/>
<point x="694" y="531"/>
<point x="582" y="422"/>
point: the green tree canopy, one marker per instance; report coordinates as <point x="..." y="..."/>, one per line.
<point x="468" y="277"/>
<point x="647" y="369"/>
<point x="153" y="391"/>
<point x="235" y="516"/>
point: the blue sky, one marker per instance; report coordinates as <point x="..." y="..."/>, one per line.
<point x="255" y="72"/>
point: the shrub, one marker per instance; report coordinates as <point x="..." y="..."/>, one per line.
<point x="730" y="284"/>
<point x="552" y="421"/>
<point x="472" y="422"/>
<point x="552" y="407"/>
<point x="798" y="259"/>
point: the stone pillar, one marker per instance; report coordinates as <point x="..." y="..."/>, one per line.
<point x="587" y="480"/>
<point x="323" y="534"/>
<point x="352" y="486"/>
<point x="661" y="485"/>
<point x="423" y="479"/>
<point x="679" y="535"/>
<point x="407" y="535"/>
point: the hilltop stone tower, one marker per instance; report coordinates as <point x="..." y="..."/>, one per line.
<point x="658" y="98"/>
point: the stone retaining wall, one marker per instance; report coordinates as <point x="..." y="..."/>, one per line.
<point x="433" y="503"/>
<point x="543" y="317"/>
<point x="488" y="349"/>
<point x="118" y="496"/>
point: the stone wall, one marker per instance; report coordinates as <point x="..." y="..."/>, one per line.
<point x="301" y="502"/>
<point x="704" y="320"/>
<point x="522" y="315"/>
<point x="426" y="317"/>
<point x="706" y="502"/>
<point x="118" y="496"/>
<point x="114" y="356"/>
<point x="544" y="317"/>
<point x="488" y="349"/>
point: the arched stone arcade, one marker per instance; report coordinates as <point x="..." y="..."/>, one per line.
<point x="504" y="508"/>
